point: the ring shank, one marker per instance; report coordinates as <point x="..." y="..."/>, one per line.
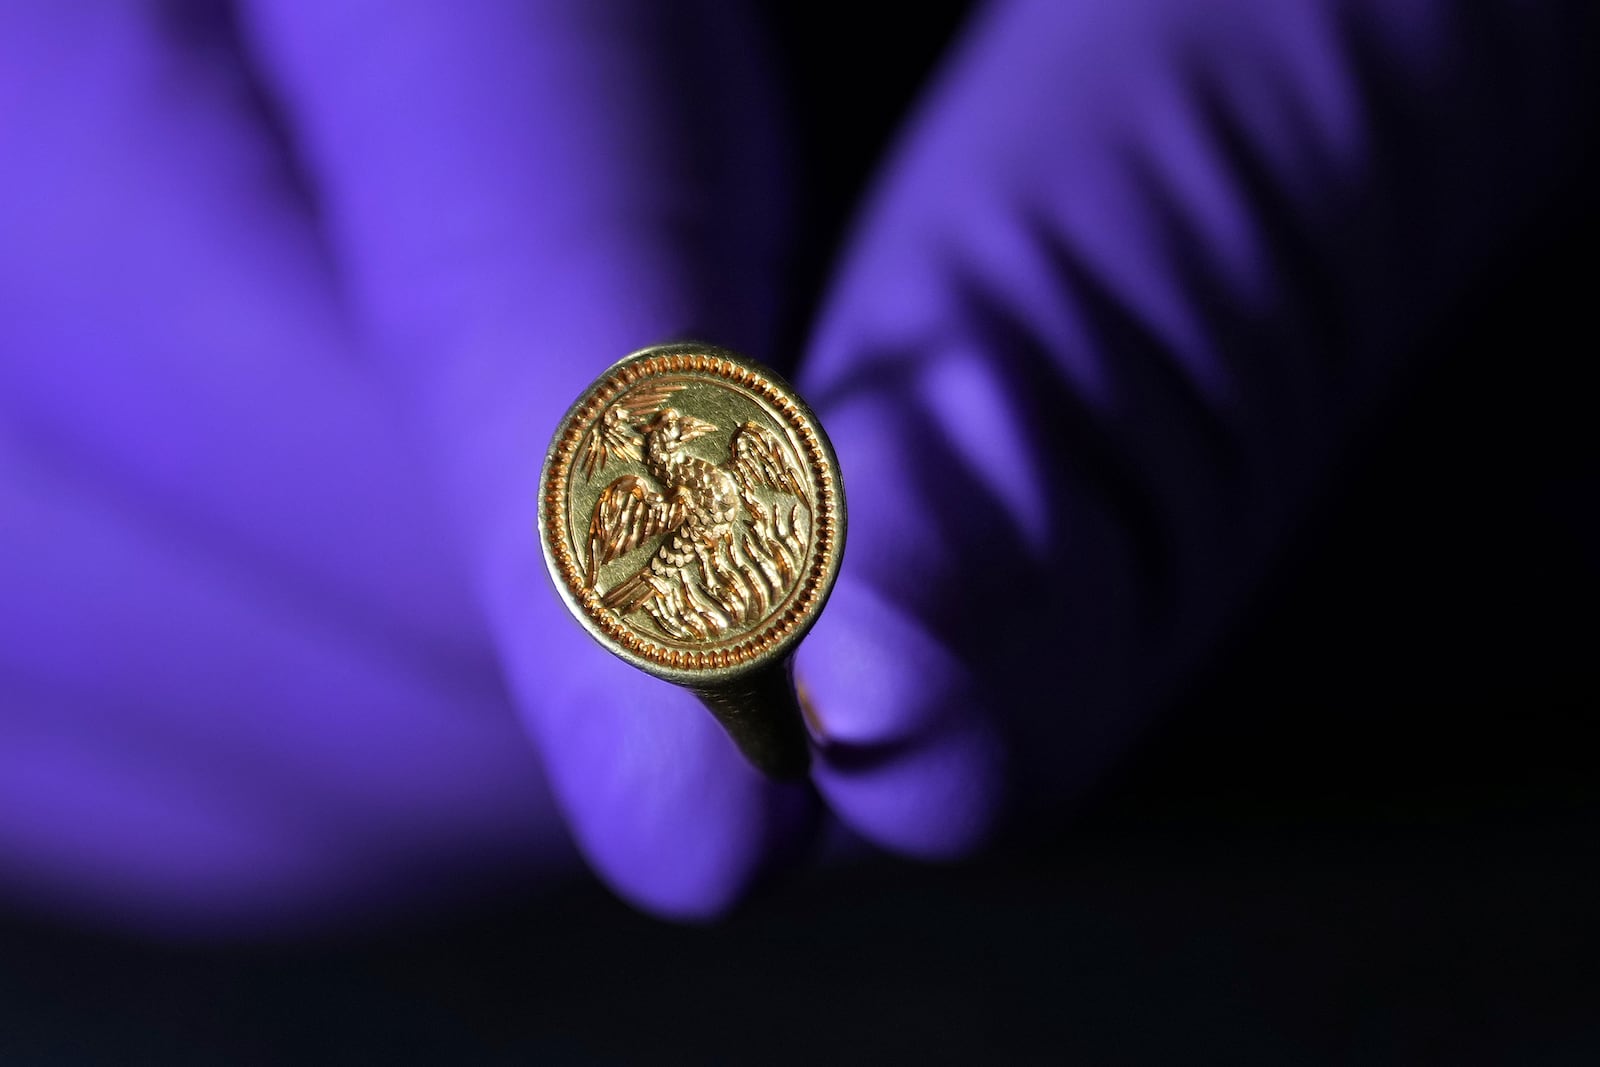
<point x="760" y="711"/>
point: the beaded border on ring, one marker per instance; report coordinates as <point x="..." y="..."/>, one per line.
<point x="556" y="510"/>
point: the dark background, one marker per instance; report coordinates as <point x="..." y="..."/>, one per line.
<point x="1368" y="836"/>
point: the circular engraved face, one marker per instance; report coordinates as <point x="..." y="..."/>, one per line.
<point x="691" y="511"/>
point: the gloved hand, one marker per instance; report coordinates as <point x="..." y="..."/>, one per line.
<point x="1139" y="273"/>
<point x="1135" y="276"/>
<point x="276" y="280"/>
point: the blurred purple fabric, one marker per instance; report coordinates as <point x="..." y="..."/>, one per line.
<point x="292" y="296"/>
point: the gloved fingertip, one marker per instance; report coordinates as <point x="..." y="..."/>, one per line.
<point x="906" y="757"/>
<point x="661" y="802"/>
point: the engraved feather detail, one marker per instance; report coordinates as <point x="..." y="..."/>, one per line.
<point x="617" y="435"/>
<point x="732" y="536"/>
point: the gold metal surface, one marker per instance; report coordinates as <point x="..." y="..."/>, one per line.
<point x="693" y="519"/>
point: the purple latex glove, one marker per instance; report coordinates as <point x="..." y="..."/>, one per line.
<point x="1135" y="276"/>
<point x="275" y="282"/>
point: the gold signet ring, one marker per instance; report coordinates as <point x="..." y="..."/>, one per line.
<point x="693" y="520"/>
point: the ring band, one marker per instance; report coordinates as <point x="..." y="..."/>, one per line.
<point x="693" y="520"/>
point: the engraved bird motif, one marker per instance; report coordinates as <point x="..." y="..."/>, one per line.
<point x="724" y="559"/>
